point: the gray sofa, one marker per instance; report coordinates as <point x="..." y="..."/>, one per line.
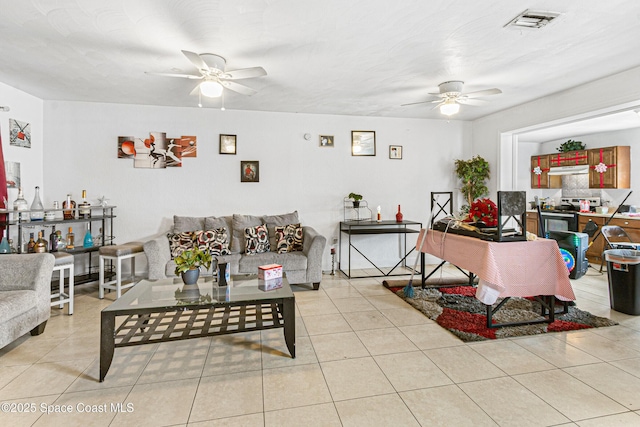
<point x="301" y="267"/>
<point x="25" y="295"/>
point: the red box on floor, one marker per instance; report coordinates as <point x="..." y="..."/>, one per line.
<point x="270" y="271"/>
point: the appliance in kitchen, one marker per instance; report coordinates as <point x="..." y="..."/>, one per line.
<point x="565" y="216"/>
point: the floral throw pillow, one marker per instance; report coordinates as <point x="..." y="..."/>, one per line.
<point x="180" y="242"/>
<point x="215" y="241"/>
<point x="289" y="238"/>
<point x="256" y="240"/>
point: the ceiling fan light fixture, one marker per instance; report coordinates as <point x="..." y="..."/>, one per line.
<point x="211" y="89"/>
<point x="450" y="107"/>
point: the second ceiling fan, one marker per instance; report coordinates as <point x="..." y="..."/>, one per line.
<point x="214" y="76"/>
<point x="450" y="97"/>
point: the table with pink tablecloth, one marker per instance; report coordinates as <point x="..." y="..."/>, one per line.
<point x="504" y="269"/>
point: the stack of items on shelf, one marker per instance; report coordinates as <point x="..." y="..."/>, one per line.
<point x="36" y="213"/>
<point x="269" y="277"/>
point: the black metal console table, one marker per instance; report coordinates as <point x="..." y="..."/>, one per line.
<point x="367" y="227"/>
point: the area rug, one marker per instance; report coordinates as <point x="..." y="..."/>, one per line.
<point x="456" y="309"/>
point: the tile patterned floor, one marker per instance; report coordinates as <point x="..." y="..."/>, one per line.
<point x="365" y="358"/>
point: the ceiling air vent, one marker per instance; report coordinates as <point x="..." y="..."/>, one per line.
<point x="532" y="19"/>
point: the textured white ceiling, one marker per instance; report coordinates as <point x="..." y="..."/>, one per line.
<point x="355" y="57"/>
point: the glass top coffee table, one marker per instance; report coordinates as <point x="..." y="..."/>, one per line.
<point x="168" y="310"/>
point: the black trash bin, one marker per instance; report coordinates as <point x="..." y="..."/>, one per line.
<point x="624" y="280"/>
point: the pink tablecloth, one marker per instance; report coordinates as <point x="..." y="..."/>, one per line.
<point x="506" y="269"/>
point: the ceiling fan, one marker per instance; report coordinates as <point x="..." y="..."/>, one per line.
<point x="451" y="96"/>
<point x="214" y="76"/>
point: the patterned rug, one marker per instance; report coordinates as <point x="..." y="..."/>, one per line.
<point x="456" y="309"/>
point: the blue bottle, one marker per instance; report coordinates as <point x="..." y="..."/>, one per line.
<point x="88" y="240"/>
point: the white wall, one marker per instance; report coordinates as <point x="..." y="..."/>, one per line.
<point x="295" y="174"/>
<point x="28" y="109"/>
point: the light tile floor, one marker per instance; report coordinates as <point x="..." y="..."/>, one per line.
<point x="364" y="358"/>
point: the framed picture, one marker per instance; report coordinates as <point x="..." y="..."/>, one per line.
<point x="363" y="143"/>
<point x="395" y="152"/>
<point x="326" y="140"/>
<point x="227" y="144"/>
<point x="249" y="171"/>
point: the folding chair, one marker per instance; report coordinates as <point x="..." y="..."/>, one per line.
<point x="616" y="238"/>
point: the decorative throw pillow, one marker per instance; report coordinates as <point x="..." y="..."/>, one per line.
<point x="282" y="219"/>
<point x="256" y="239"/>
<point x="215" y="241"/>
<point x="240" y="222"/>
<point x="180" y="242"/>
<point x="289" y="238"/>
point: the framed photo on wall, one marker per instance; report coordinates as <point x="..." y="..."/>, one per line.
<point x="227" y="144"/>
<point x="249" y="171"/>
<point x="326" y="140"/>
<point x="395" y="152"/>
<point x="363" y="143"/>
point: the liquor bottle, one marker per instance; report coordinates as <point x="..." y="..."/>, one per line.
<point x="31" y="245"/>
<point x="37" y="209"/>
<point x="88" y="240"/>
<point x="41" y="244"/>
<point x="53" y="240"/>
<point x="61" y="241"/>
<point x="69" y="207"/>
<point x="399" y="215"/>
<point x="84" y="209"/>
<point x="56" y="209"/>
<point x="5" y="248"/>
<point x="20" y="204"/>
<point x="70" y="238"/>
<point x="13" y="248"/>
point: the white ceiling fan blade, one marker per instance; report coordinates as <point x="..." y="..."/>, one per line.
<point x="415" y="103"/>
<point x="441" y="95"/>
<point x="184" y="76"/>
<point x="480" y="93"/>
<point x="195" y="59"/>
<point x="245" y="73"/>
<point x="428" y="101"/>
<point x="475" y="102"/>
<point x="236" y="87"/>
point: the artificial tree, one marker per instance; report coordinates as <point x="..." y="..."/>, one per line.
<point x="473" y="175"/>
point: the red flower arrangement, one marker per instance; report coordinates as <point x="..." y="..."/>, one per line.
<point x="483" y="211"/>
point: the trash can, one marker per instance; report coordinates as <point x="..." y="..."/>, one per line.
<point x="624" y="280"/>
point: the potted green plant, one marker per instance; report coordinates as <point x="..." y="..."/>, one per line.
<point x="188" y="264"/>
<point x="356" y="199"/>
<point x="571" y="145"/>
<point x="473" y="175"/>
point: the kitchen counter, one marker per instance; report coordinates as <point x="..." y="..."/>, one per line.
<point x="634" y="216"/>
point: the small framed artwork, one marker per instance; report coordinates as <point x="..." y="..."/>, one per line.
<point x="395" y="152"/>
<point x="363" y="143"/>
<point x="227" y="144"/>
<point x="249" y="171"/>
<point x="326" y="140"/>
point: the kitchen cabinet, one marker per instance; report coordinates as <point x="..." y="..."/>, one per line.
<point x="540" y="173"/>
<point x="631" y="226"/>
<point x="532" y="222"/>
<point x="594" y="253"/>
<point x="609" y="167"/>
<point x="570" y="158"/>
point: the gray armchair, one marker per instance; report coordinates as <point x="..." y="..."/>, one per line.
<point x="25" y="295"/>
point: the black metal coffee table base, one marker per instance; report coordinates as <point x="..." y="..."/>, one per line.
<point x="162" y="324"/>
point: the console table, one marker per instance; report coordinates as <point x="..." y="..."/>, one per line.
<point x="369" y="227"/>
